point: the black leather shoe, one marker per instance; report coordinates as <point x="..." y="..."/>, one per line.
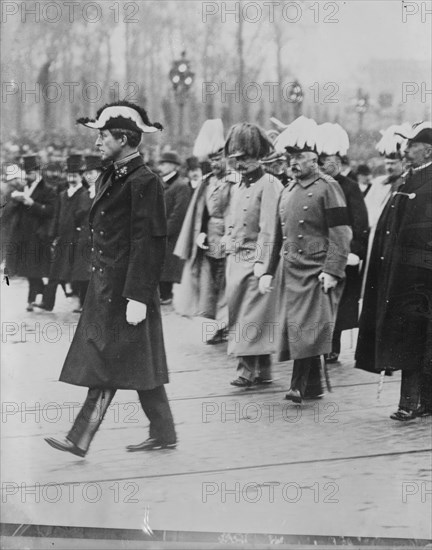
<point x="29" y="307"/>
<point x="150" y="444"/>
<point x="241" y="382"/>
<point x="294" y="396"/>
<point x="65" y="445"/>
<point x="259" y="381"/>
<point x="42" y="306"/>
<point x="403" y="416"/>
<point x="219" y="338"/>
<point x="331" y="357"/>
<point x="422" y="412"/>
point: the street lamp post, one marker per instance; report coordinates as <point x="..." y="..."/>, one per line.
<point x="362" y="105"/>
<point x="296" y="97"/>
<point x="181" y="78"/>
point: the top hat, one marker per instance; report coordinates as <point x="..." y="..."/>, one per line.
<point x="74" y="164"/>
<point x="93" y="162"/>
<point x="170" y="156"/>
<point x="30" y="163"/>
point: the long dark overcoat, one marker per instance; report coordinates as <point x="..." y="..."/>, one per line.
<point x="348" y="311"/>
<point x="65" y="235"/>
<point x="82" y="261"/>
<point x="177" y="197"/>
<point x="396" y="321"/>
<point x="28" y="252"/>
<point x="128" y="227"/>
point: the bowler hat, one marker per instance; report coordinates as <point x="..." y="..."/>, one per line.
<point x="30" y="163"/>
<point x="170" y="156"/>
<point x="192" y="163"/>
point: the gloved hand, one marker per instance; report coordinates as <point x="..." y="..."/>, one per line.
<point x="136" y="312"/>
<point x="327" y="281"/>
<point x="265" y="284"/>
<point x="259" y="270"/>
<point x="201" y="239"/>
<point x="353" y="259"/>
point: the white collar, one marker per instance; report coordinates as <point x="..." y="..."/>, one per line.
<point x="169" y="176"/>
<point x="29" y="190"/>
<point x="72" y="190"/>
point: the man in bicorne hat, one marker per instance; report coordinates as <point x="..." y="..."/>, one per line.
<point x="202" y="290"/>
<point x="118" y="343"/>
<point x="396" y="322"/>
<point x="311" y="246"/>
<point x="32" y="211"/>
<point x="177" y="198"/>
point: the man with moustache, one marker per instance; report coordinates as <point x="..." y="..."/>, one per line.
<point x="202" y="290"/>
<point x="118" y="343"/>
<point x="311" y="246"/>
<point x="248" y="238"/>
<point x="396" y="322"/>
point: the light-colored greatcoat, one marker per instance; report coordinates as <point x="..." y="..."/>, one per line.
<point x="249" y="236"/>
<point x="312" y="237"/>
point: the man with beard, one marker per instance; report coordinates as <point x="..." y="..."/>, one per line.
<point x="249" y="235"/>
<point x="32" y="211"/>
<point x="177" y="196"/>
<point x="333" y="143"/>
<point x="118" y="343"/>
<point x="202" y="290"/>
<point x="311" y="246"/>
<point x="396" y="321"/>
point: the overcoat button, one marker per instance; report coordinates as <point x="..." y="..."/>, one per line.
<point x="382" y="257"/>
<point x="300" y="236"/>
<point x="92" y="249"/>
<point x="100" y="269"/>
<point x="305" y="207"/>
<point x="284" y="238"/>
<point x="387" y="232"/>
<point x="310" y="194"/>
<point x="93" y="269"/>
<point x="282" y="224"/>
<point x="301" y="221"/>
<point x="300" y="251"/>
<point x="101" y="233"/>
<point x="100" y="252"/>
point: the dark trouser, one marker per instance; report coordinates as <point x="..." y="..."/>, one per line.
<point x="154" y="403"/>
<point x="416" y="389"/>
<point x="49" y="295"/>
<point x="336" y="342"/>
<point x="36" y="287"/>
<point x="81" y="289"/>
<point x="306" y="376"/>
<point x="215" y="285"/>
<point x="251" y="366"/>
<point x="165" y="289"/>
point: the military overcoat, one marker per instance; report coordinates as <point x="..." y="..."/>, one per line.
<point x="312" y="236"/>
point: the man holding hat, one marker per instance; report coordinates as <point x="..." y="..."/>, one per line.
<point x="64" y="233"/>
<point x="312" y="245"/>
<point x="396" y="321"/>
<point x="118" y="343"/>
<point x="177" y="197"/>
<point x="202" y="290"/>
<point x="32" y="211"/>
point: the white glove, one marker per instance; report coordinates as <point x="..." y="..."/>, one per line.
<point x="353" y="259"/>
<point x="327" y="281"/>
<point x="136" y="312"/>
<point x="265" y="284"/>
<point x="201" y="239"/>
<point x="259" y="270"/>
